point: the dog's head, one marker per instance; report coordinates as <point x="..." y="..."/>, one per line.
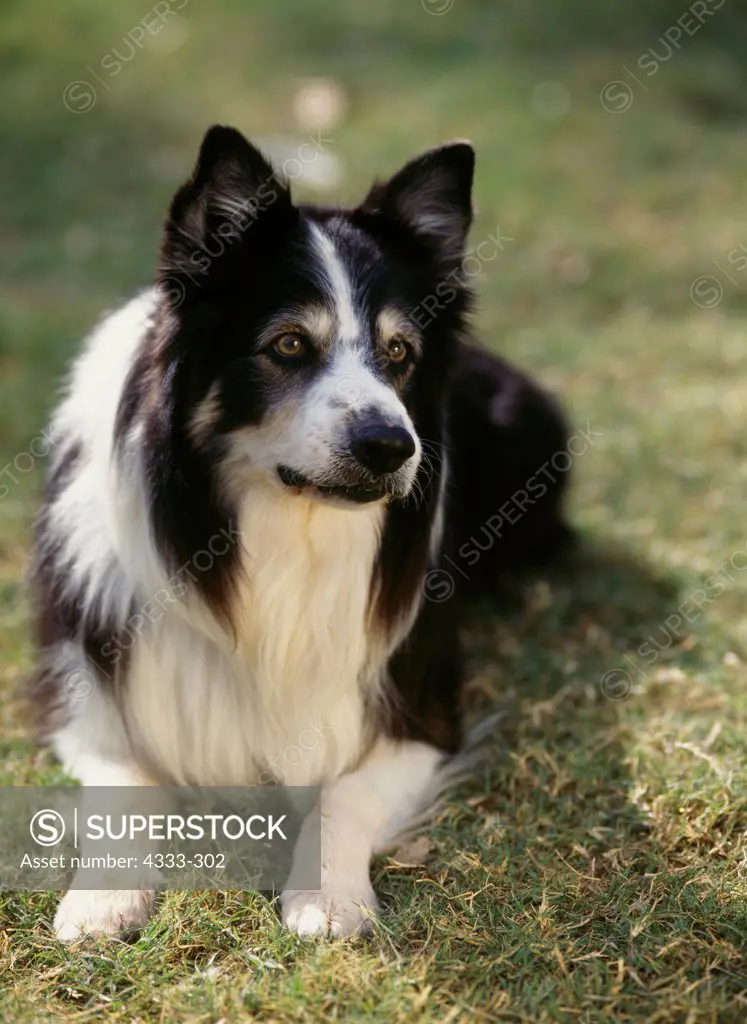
<point x="310" y="347"/>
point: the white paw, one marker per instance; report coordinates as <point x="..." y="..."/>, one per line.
<point x="326" y="913"/>
<point x="102" y="912"/>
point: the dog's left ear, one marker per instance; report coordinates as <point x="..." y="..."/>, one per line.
<point x="232" y="202"/>
<point x="431" y="196"/>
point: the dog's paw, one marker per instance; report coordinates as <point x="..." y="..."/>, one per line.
<point x="326" y="913"/>
<point x="102" y="912"/>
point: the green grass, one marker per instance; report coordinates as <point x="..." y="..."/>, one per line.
<point x="596" y="869"/>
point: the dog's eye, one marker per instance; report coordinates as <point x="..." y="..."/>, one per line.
<point x="290" y="346"/>
<point x="398" y="351"/>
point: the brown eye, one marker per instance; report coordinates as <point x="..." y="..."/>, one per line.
<point x="398" y="350"/>
<point x="289" y="346"/>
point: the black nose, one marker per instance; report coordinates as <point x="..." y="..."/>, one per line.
<point x="381" y="448"/>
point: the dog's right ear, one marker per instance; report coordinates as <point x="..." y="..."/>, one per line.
<point x="431" y="197"/>
<point x="234" y="194"/>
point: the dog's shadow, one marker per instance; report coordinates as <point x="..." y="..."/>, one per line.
<point x="584" y="621"/>
<point x="553" y="666"/>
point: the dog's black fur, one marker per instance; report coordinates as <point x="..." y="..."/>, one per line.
<point x="210" y="426"/>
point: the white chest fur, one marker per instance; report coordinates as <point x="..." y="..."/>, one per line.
<point x="288" y="698"/>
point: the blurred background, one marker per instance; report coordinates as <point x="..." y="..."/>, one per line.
<point x="611" y="228"/>
<point x="610" y="140"/>
<point x="610" y="208"/>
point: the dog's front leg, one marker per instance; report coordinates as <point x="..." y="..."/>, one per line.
<point x="110" y="911"/>
<point x="362" y="812"/>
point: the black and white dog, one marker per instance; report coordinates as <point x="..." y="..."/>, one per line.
<point x="260" y="464"/>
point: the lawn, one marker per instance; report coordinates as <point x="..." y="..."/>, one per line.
<point x="595" y="869"/>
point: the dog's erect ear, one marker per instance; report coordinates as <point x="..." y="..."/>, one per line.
<point x="431" y="196"/>
<point x="232" y="196"/>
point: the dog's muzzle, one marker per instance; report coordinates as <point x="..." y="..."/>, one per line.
<point x="376" y="451"/>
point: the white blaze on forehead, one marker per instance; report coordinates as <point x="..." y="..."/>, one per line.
<point x="339" y="284"/>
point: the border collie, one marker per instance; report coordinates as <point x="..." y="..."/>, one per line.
<point x="259" y="464"/>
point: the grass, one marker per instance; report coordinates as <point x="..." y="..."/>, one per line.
<point x="596" y="870"/>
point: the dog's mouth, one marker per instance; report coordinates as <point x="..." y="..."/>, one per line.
<point x="359" y="494"/>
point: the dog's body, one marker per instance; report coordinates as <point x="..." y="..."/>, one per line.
<point x="259" y="465"/>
